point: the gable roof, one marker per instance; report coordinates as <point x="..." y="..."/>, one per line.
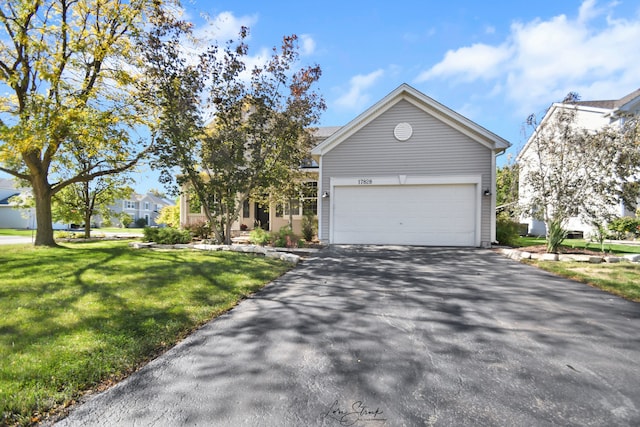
<point x="423" y="102"/>
<point x="608" y="108"/>
<point x="611" y="104"/>
<point x="152" y="199"/>
<point x="5" y="201"/>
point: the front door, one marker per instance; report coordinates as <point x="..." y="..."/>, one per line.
<point x="262" y="217"/>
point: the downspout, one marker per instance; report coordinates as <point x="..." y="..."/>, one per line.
<point x="319" y="200"/>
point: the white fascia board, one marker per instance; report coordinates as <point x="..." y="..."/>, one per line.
<point x="549" y="113"/>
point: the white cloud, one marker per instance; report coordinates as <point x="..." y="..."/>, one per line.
<point x="307" y="45"/>
<point x="469" y="63"/>
<point x="542" y="60"/>
<point x="224" y="26"/>
<point x="356" y="97"/>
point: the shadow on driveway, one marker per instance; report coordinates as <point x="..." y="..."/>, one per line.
<point x="373" y="336"/>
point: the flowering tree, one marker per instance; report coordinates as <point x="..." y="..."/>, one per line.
<point x="571" y="171"/>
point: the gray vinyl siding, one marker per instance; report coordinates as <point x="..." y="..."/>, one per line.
<point x="434" y="149"/>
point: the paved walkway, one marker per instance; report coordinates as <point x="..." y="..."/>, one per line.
<point x="370" y="336"/>
<point x="16" y="240"/>
<point x="19" y="240"/>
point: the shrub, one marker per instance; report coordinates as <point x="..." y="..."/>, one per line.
<point x="258" y="236"/>
<point x="141" y="222"/>
<point x="555" y="236"/>
<point x="286" y="238"/>
<point x="169" y="215"/>
<point x="309" y="222"/>
<point x="166" y="236"/>
<point x="66" y="235"/>
<point x="507" y="230"/>
<point x="625" y="226"/>
<point x="125" y="219"/>
<point x="200" y="230"/>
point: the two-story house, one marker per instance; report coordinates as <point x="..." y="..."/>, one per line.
<point x="145" y="206"/>
<point x="407" y="171"/>
<point x="589" y="115"/>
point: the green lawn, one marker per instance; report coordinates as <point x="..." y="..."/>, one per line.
<point x="622" y="279"/>
<point x="581" y="243"/>
<point x="87" y="314"/>
<point x="96" y="231"/>
<point x="16" y="232"/>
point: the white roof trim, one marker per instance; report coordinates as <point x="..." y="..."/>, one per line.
<point x="547" y="116"/>
<point x="425" y="103"/>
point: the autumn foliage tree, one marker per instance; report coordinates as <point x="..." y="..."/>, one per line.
<point x="259" y="135"/>
<point x="67" y="70"/>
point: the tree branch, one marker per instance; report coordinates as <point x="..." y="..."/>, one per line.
<point x="85" y="177"/>
<point x="15" y="173"/>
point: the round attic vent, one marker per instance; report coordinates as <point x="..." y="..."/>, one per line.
<point x="403" y="131"/>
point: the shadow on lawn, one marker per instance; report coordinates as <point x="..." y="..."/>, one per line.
<point x="114" y="306"/>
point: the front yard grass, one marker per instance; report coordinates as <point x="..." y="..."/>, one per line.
<point x="613" y="248"/>
<point x="16" y="232"/>
<point x="622" y="279"/>
<point x="84" y="315"/>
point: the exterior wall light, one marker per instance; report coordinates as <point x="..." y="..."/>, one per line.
<point x="325" y="195"/>
<point x="487" y="192"/>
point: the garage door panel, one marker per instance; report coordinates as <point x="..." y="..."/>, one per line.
<point x="414" y="215"/>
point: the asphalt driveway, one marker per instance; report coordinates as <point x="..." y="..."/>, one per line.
<point x="371" y="336"/>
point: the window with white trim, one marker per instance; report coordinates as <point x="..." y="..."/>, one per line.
<point x="310" y="198"/>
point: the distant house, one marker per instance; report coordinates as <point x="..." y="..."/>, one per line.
<point x="12" y="216"/>
<point x="406" y="171"/>
<point x="590" y="115"/>
<point x="146" y="206"/>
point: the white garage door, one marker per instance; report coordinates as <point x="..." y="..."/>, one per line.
<point x="429" y="215"/>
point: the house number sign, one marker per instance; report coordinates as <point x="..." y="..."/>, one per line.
<point x="365" y="181"/>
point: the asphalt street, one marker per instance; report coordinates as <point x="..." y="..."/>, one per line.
<point x="396" y="336"/>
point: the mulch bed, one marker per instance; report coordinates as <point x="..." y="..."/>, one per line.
<point x="541" y="249"/>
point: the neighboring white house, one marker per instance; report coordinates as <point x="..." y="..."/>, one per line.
<point x="590" y="115"/>
<point x="138" y="206"/>
<point x="13" y="217"/>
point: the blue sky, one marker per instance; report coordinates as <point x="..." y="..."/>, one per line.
<point x="493" y="62"/>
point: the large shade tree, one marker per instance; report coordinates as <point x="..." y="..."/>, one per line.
<point x="259" y="135"/>
<point x="67" y="72"/>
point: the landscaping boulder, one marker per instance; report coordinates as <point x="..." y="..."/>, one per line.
<point x="632" y="257"/>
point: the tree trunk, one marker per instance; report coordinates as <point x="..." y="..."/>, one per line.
<point x="291" y="213"/>
<point x="88" y="208"/>
<point x="44" y="223"/>
<point x="227" y="226"/>
<point x="87" y="224"/>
